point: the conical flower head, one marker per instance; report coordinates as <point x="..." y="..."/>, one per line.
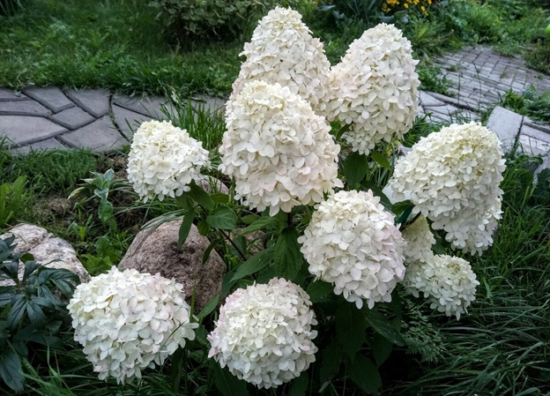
<point x="283" y="51"/>
<point x="374" y="88"/>
<point x="279" y="152"/>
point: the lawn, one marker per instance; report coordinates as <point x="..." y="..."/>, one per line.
<point x="402" y="347"/>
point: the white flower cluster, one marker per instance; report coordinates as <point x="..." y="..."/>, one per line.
<point x="353" y="243"/>
<point x="283" y="51"/>
<point x="374" y="88"/>
<point x="279" y="152"/>
<point x="419" y="240"/>
<point x="127" y="321"/>
<point x="163" y="160"/>
<point x="448" y="282"/>
<point x="453" y="178"/>
<point x="263" y="334"/>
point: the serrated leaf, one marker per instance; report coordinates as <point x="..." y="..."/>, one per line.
<point x="260" y="224"/>
<point x="319" y="291"/>
<point x="365" y="375"/>
<point x="287" y="256"/>
<point x="381" y="160"/>
<point x="203" y="227"/>
<point x="355" y="168"/>
<point x="400" y="207"/>
<point x="383" y="326"/>
<point x="299" y="385"/>
<point x="350" y="328"/>
<point x="185" y="227"/>
<point x="253" y="264"/>
<point x="228" y="384"/>
<point x="330" y="361"/>
<point x="197" y="194"/>
<point x="10" y="370"/>
<point x="381" y="349"/>
<point x="223" y="218"/>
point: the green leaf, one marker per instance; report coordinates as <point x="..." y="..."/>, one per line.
<point x="208" y="250"/>
<point x="249" y="219"/>
<point x="35" y="313"/>
<point x="203" y="227"/>
<point x="227" y="283"/>
<point x="26" y="257"/>
<point x="380" y="159"/>
<point x="30" y="267"/>
<point x="355" y="168"/>
<point x="350" y="328"/>
<point x="223" y="218"/>
<point x="400" y="207"/>
<point x="105" y="212"/>
<point x="185" y="227"/>
<point x="200" y="196"/>
<point x="365" y="375"/>
<point x="17" y="311"/>
<point x="330" y="362"/>
<point x="253" y="264"/>
<point x="10" y="370"/>
<point x="403" y="218"/>
<point x="287" y="256"/>
<point x="208" y="307"/>
<point x="299" y="385"/>
<point x="382" y="326"/>
<point x="319" y="291"/>
<point x="381" y="349"/>
<point x="259" y="224"/>
<point x="177" y="368"/>
<point x="227" y="384"/>
<point x="220" y="198"/>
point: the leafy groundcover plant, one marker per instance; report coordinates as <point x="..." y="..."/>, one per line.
<point x="330" y="235"/>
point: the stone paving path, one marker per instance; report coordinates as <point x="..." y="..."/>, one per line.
<point x="48" y="118"/>
<point x="480" y="77"/>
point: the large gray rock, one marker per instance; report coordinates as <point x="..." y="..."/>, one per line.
<point x="156" y="251"/>
<point x="45" y="248"/>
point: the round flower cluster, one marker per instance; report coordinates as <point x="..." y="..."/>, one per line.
<point x="448" y="282"/>
<point x="127" y="321"/>
<point x="283" y="51"/>
<point x="279" y="152"/>
<point x="263" y="334"/>
<point x="353" y="243"/>
<point x="374" y="88"/>
<point x="163" y="160"/>
<point x="453" y="178"/>
<point x="419" y="240"/>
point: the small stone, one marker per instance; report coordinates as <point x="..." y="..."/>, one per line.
<point x="45" y="248"/>
<point x="25" y="108"/>
<point x="72" y="118"/>
<point x="128" y="121"/>
<point x="506" y="124"/>
<point x="23" y="130"/>
<point x="48" y="144"/>
<point x="213" y="185"/>
<point x="156" y="251"/>
<point x="7" y="95"/>
<point x="94" y="101"/>
<point x="51" y="97"/>
<point x="100" y="135"/>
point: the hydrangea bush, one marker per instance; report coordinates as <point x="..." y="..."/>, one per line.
<point x="325" y="230"/>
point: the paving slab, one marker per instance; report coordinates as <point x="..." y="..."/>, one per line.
<point x="11" y="96"/>
<point x="99" y="136"/>
<point x="23" y="130"/>
<point x="128" y="121"/>
<point x="537" y="125"/>
<point x="24" y="107"/>
<point x="48" y="144"/>
<point x="72" y="118"/>
<point x="535" y="133"/>
<point x="148" y="106"/>
<point x="427" y="100"/>
<point x="94" y="101"/>
<point x="533" y="146"/>
<point x="51" y="97"/>
<point x="506" y="124"/>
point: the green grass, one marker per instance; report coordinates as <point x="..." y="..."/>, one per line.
<point x="532" y="103"/>
<point x="114" y="44"/>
